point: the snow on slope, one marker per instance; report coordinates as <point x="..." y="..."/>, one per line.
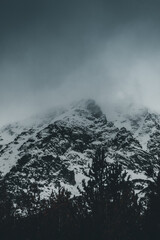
<point x="142" y="122"/>
<point x="55" y="148"/>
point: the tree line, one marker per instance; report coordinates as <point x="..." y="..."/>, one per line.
<point x="107" y="208"/>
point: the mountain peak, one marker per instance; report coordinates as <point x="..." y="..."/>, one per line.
<point x="58" y="148"/>
<point x="90" y="105"/>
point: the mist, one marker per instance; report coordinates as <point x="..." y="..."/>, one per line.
<point x="56" y="52"/>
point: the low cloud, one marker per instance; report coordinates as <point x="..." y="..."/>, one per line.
<point x="65" y="52"/>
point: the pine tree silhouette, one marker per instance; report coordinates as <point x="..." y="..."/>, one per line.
<point x="152" y="224"/>
<point x="110" y="200"/>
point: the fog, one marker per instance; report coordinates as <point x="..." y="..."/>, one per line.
<point x="55" y="52"/>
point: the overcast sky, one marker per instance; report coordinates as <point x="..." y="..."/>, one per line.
<point x="57" y="51"/>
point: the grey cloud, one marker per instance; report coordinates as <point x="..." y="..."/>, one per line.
<point x="57" y="51"/>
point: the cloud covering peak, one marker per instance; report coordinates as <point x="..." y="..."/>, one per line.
<point x="57" y="51"/>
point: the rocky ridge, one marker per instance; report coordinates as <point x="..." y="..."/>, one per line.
<point x="56" y="149"/>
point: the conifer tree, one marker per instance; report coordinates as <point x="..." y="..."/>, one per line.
<point x="110" y="200"/>
<point x="152" y="223"/>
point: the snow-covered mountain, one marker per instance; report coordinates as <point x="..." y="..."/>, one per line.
<point x="54" y="149"/>
<point x="143" y="123"/>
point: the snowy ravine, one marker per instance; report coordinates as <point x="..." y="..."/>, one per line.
<point x="54" y="149"/>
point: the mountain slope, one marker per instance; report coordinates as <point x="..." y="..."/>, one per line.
<point x="143" y="123"/>
<point x="56" y="149"/>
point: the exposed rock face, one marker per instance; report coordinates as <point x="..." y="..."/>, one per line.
<point x="56" y="149"/>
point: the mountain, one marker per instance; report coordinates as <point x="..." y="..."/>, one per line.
<point x="143" y="123"/>
<point x="55" y="149"/>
